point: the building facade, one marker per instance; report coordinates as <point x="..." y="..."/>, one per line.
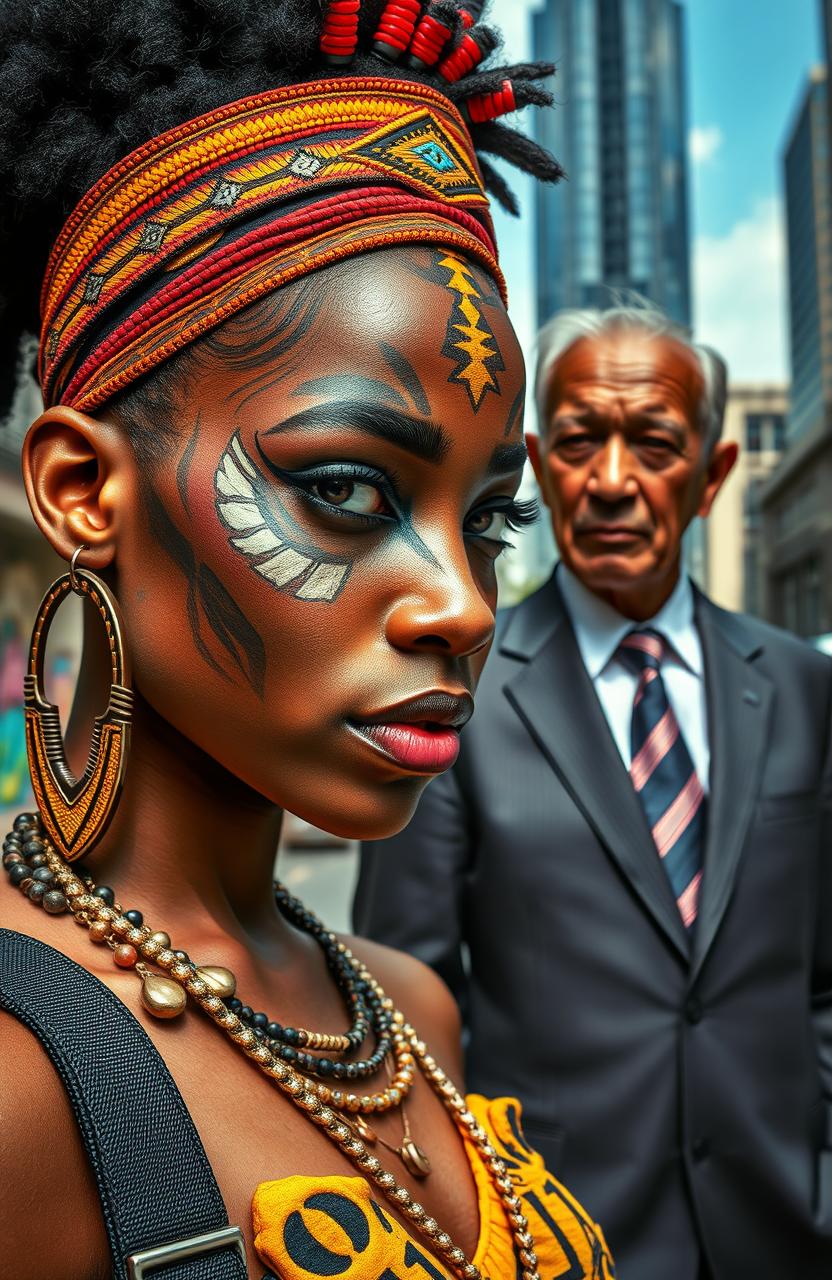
<point x="620" y="222"/>
<point x="807" y="192"/>
<point x="795" y="507"/>
<point x="755" y="419"/>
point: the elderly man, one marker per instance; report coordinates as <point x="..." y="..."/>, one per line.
<point x="633" y="848"/>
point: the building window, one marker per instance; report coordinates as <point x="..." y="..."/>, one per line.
<point x="779" y="431"/>
<point x="765" y="432"/>
<point x="754" y="432"/>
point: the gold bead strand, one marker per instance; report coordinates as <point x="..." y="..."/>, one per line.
<point x="289" y="1081"/>
<point x="466" y="1122"/>
<point x="468" y="1125"/>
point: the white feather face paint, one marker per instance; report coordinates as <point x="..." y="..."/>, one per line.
<point x="306" y="573"/>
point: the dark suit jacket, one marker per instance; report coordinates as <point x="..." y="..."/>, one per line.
<point x="682" y="1089"/>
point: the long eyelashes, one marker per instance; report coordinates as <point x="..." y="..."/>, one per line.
<point x="305" y="572"/>
<point x="517" y="514"/>
<point x="521" y="512"/>
<point x="277" y="548"/>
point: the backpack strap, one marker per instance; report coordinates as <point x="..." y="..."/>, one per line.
<point x="163" y="1210"/>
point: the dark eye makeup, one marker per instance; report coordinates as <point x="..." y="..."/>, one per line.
<point x="367" y="497"/>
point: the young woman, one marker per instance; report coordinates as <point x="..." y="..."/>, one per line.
<point x="282" y="429"/>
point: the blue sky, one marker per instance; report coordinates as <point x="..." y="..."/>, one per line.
<point x="747" y="65"/>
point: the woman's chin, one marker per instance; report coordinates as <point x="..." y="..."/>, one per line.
<point x="384" y="812"/>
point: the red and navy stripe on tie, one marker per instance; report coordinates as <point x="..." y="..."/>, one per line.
<point x="663" y="773"/>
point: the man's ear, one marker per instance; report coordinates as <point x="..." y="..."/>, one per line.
<point x="77" y="471"/>
<point x="720" y="465"/>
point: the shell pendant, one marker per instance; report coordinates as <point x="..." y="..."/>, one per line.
<point x="414" y="1159"/>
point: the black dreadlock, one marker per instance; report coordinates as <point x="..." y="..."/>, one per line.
<point x="84" y="82"/>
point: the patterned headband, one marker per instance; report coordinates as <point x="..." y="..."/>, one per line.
<point x="206" y="218"/>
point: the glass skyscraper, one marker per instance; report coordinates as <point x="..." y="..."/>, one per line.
<point x="619" y="130"/>
<point x="806" y="167"/>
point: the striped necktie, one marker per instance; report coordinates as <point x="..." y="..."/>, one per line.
<point x="663" y="773"/>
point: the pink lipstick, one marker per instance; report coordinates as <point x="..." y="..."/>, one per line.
<point x="413" y="745"/>
<point x="421" y="733"/>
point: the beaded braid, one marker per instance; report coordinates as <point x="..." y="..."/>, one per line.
<point x="157" y="64"/>
<point x="447" y="43"/>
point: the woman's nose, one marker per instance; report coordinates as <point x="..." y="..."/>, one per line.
<point x="445" y="613"/>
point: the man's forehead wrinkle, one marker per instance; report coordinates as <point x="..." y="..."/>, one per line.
<point x="629" y="358"/>
<point x="645" y="390"/>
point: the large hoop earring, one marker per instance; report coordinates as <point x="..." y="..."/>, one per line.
<point x="77" y="811"/>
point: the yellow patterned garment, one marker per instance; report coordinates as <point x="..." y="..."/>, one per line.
<point x="308" y="1228"/>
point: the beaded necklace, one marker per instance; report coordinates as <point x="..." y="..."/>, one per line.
<point x="34" y="866"/>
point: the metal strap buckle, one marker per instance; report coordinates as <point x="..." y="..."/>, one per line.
<point x="140" y="1264"/>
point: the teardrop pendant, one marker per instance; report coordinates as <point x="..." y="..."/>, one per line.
<point x="162" y="997"/>
<point x="414" y="1159"/>
<point x="221" y="981"/>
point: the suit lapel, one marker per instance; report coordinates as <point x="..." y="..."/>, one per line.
<point x="739" y="699"/>
<point x="554" y="697"/>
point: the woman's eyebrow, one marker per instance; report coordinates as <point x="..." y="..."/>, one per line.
<point x="425" y="440"/>
<point x="506" y="458"/>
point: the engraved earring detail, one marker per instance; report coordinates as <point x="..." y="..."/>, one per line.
<point x="77" y="811"/>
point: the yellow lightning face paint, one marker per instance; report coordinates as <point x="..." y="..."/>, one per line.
<point x="470" y="342"/>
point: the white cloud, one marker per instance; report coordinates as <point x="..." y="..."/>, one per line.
<point x="739" y="299"/>
<point x="703" y="143"/>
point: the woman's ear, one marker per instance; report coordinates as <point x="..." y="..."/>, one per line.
<point x="77" y="471"/>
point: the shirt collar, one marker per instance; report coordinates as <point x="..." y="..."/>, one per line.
<point x="599" y="629"/>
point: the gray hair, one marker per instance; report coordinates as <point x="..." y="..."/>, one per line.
<point x="567" y="327"/>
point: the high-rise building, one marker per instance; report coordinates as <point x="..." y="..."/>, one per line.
<point x="806" y="169"/>
<point x="755" y="419"/>
<point x="795" y="507"/>
<point x="620" y="222"/>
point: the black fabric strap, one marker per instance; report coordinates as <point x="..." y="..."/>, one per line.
<point x="153" y="1175"/>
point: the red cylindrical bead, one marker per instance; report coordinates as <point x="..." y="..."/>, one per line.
<point x="470" y="12"/>
<point x="463" y="59"/>
<point x="339" y="36"/>
<point x="488" y="106"/>
<point x="395" y="28"/>
<point x="429" y="39"/>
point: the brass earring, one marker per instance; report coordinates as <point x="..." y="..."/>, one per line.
<point x="77" y="811"/>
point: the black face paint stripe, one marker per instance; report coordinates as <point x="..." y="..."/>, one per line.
<point x="224" y="616"/>
<point x="407" y="376"/>
<point x="294" y="327"/>
<point x="425" y="440"/>
<point x="233" y="629"/>
<point x="409" y="535"/>
<point x="184" y="467"/>
<point x="516" y="411"/>
<point x="351" y="386"/>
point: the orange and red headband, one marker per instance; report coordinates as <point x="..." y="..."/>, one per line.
<point x="203" y="220"/>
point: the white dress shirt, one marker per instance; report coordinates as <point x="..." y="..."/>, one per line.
<point x="599" y="629"/>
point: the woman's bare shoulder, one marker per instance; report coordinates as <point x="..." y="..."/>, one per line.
<point x="52" y="1222"/>
<point x="422" y="997"/>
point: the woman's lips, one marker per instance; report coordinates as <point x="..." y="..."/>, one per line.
<point x="412" y="745"/>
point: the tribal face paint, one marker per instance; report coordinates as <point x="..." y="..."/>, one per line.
<point x="264" y="537"/>
<point x="327" y="534"/>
